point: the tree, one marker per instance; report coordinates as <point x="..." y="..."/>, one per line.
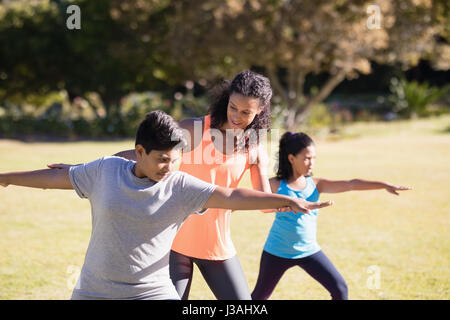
<point x="115" y="52"/>
<point x="139" y="45"/>
<point x="289" y="40"/>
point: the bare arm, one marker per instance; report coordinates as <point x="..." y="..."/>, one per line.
<point x="44" y="179"/>
<point x="274" y="184"/>
<point x="258" y="172"/>
<point x="246" y="199"/>
<point x="336" y="186"/>
<point x="127" y="154"/>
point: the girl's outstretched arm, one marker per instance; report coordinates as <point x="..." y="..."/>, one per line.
<point x="44" y="179"/>
<point x="335" y="186"/>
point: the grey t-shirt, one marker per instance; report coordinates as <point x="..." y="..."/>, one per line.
<point x="134" y="222"/>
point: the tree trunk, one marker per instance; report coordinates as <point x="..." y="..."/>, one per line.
<point x="292" y="97"/>
<point x="332" y="82"/>
<point x="290" y="119"/>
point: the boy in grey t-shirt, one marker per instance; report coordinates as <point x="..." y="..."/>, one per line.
<point x="134" y="221"/>
<point x="137" y="208"/>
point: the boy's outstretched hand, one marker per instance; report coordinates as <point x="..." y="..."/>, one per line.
<point x="393" y="188"/>
<point x="301" y="205"/>
<point x="306" y="206"/>
<point x="3" y="182"/>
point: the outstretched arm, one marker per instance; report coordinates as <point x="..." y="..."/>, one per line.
<point x="44" y="179"/>
<point x="246" y="199"/>
<point x="335" y="186"/>
<point x="127" y="154"/>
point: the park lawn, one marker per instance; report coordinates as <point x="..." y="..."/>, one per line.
<point x="386" y="247"/>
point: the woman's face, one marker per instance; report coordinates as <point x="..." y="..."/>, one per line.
<point x="241" y="111"/>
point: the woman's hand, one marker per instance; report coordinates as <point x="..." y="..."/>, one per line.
<point x="59" y="166"/>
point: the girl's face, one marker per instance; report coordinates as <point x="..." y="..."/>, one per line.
<point x="241" y="111"/>
<point x="303" y="162"/>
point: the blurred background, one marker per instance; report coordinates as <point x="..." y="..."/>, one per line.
<point x="368" y="80"/>
<point x="330" y="62"/>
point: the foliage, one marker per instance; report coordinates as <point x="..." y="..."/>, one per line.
<point x="411" y="98"/>
<point x="114" y="53"/>
<point x="84" y="118"/>
<point x="127" y="46"/>
<point x="289" y="40"/>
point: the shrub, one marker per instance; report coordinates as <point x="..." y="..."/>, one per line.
<point x="411" y="98"/>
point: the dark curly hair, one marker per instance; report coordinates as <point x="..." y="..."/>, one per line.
<point x="290" y="143"/>
<point x="248" y="84"/>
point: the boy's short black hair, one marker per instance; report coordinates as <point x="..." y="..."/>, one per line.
<point x="159" y="131"/>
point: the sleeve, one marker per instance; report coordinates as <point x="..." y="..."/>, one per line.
<point x="194" y="193"/>
<point x="84" y="176"/>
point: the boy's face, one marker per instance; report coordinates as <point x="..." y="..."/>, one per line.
<point x="157" y="164"/>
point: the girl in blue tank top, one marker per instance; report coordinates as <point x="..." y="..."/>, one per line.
<point x="292" y="238"/>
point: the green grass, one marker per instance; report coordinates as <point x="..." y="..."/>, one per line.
<point x="45" y="233"/>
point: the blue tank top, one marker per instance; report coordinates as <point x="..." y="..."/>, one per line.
<point x="293" y="235"/>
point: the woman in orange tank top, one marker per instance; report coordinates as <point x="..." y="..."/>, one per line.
<point x="215" y="157"/>
<point x="239" y="106"/>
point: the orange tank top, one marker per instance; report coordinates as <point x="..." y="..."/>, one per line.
<point x="208" y="236"/>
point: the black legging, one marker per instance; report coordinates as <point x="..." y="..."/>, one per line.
<point x="317" y="266"/>
<point x="225" y="278"/>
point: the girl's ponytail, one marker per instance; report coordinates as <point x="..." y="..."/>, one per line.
<point x="290" y="143"/>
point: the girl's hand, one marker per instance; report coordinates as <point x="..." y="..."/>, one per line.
<point x="59" y="166"/>
<point x="393" y="189"/>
